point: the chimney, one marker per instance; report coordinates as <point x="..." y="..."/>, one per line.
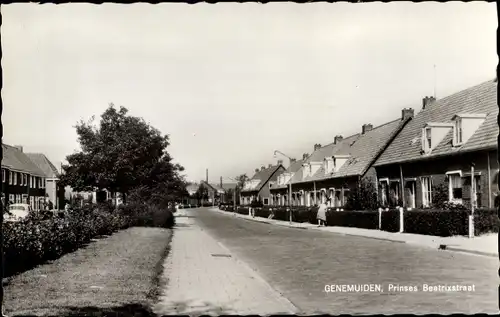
<point x="293" y="160"/>
<point x="19" y="147"/>
<point x="338" y="139"/>
<point x="280" y="162"/>
<point x="270" y="165"/>
<point x="304" y="156"/>
<point x="427" y="101"/>
<point x="207" y="176"/>
<point x="221" y="182"/>
<point x="262" y="168"/>
<point x="317" y="146"/>
<point x="256" y="170"/>
<point x="407" y="113"/>
<point x="366" y="128"/>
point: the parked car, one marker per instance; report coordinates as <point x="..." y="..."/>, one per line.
<point x="17" y="212"/>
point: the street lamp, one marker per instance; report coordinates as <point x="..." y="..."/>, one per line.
<point x="290" y="183"/>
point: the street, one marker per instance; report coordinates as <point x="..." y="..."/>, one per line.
<point x="301" y="263"/>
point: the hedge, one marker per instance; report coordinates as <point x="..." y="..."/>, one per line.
<point x="485" y="221"/>
<point x="442" y="223"/>
<point x="390" y="221"/>
<point x="35" y="240"/>
<point x="357" y="219"/>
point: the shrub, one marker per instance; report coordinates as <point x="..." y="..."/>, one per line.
<point x="390" y="220"/>
<point x="242" y="210"/>
<point x="357" y="219"/>
<point x="443" y="223"/>
<point x="485" y="221"/>
<point x="146" y="215"/>
<point x="363" y="196"/>
<point x="262" y="212"/>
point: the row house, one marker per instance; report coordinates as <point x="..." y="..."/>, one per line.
<point x="55" y="192"/>
<point x="451" y="144"/>
<point x="331" y="171"/>
<point x="259" y="186"/>
<point x="22" y="180"/>
<point x="280" y="189"/>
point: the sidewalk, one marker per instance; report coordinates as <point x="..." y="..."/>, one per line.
<point x="201" y="276"/>
<point x="483" y="245"/>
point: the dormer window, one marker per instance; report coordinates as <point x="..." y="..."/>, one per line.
<point x="428" y="139"/>
<point x="457" y="140"/>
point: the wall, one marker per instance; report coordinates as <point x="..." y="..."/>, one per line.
<point x="437" y="168"/>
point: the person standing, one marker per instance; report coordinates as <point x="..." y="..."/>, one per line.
<point x="321" y="216"/>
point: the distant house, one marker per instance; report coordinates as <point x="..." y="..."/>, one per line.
<point x="279" y="189"/>
<point x="22" y="180"/>
<point x="451" y="142"/>
<point x="54" y="191"/>
<point x="258" y="187"/>
<point x="332" y="171"/>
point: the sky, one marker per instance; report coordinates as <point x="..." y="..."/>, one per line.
<point x="232" y="82"/>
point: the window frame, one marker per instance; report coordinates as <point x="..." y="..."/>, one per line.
<point x="459" y="132"/>
<point x="451" y="194"/>
<point x="3" y="175"/>
<point x="15" y="179"/>
<point x="428" y="138"/>
<point x="426" y="191"/>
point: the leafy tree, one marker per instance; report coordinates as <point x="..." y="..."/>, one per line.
<point x="123" y="154"/>
<point x="363" y="196"/>
<point x="241" y="181"/>
<point x="201" y="193"/>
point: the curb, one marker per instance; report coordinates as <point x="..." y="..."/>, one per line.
<point x="436" y="246"/>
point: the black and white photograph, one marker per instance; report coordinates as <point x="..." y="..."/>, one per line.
<point x="251" y="158"/>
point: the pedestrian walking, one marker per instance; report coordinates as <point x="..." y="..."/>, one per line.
<point x="321" y="216"/>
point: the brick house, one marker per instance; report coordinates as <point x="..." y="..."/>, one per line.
<point x="280" y="189"/>
<point x="331" y="171"/>
<point x="54" y="191"/>
<point x="258" y="187"/>
<point x="22" y="180"/>
<point x="451" y="142"/>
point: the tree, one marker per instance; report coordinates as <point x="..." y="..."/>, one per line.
<point x="241" y="181"/>
<point x="121" y="155"/>
<point x="363" y="196"/>
<point x="201" y="193"/>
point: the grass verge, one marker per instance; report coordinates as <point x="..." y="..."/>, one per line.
<point x="117" y="275"/>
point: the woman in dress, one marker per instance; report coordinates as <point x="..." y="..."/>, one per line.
<point x="321" y="216"/>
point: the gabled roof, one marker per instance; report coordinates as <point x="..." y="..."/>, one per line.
<point x="14" y="159"/>
<point x="44" y="164"/>
<point x="192" y="187"/>
<point x="480" y="99"/>
<point x="293" y="168"/>
<point x="263" y="176"/>
<point x="361" y="150"/>
<point x="225" y="186"/>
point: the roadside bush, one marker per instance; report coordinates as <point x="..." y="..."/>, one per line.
<point x="242" y="210"/>
<point x="263" y="212"/>
<point x="146" y="215"/>
<point x="442" y="223"/>
<point x="485" y="221"/>
<point x="390" y="220"/>
<point x="357" y="219"/>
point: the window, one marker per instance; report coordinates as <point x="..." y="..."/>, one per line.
<point x="455" y="187"/>
<point x="428" y="138"/>
<point x="15" y="178"/>
<point x="11" y="199"/>
<point x="426" y="192"/>
<point x="383" y="193"/>
<point x="10" y="177"/>
<point x="266" y="201"/>
<point x="3" y="175"/>
<point x="458" y="131"/>
<point x="25" y="176"/>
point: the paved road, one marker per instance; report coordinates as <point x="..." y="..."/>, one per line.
<point x="299" y="263"/>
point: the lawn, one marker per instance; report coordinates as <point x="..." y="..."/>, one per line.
<point x="115" y="274"/>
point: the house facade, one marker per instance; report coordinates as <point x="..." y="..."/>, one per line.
<point x="22" y="180"/>
<point x="448" y="151"/>
<point x="54" y="191"/>
<point x="259" y="186"/>
<point x="280" y="189"/>
<point x="331" y="171"/>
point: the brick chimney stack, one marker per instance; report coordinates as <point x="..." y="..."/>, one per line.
<point x="280" y="162"/>
<point x="427" y="101"/>
<point x="19" y="147"/>
<point x="270" y="165"/>
<point x="366" y="127"/>
<point x="407" y="113"/>
<point x="257" y="170"/>
<point x="304" y="156"/>
<point x="262" y="168"/>
<point x="338" y="139"/>
<point x="317" y="146"/>
<point x="293" y="160"/>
